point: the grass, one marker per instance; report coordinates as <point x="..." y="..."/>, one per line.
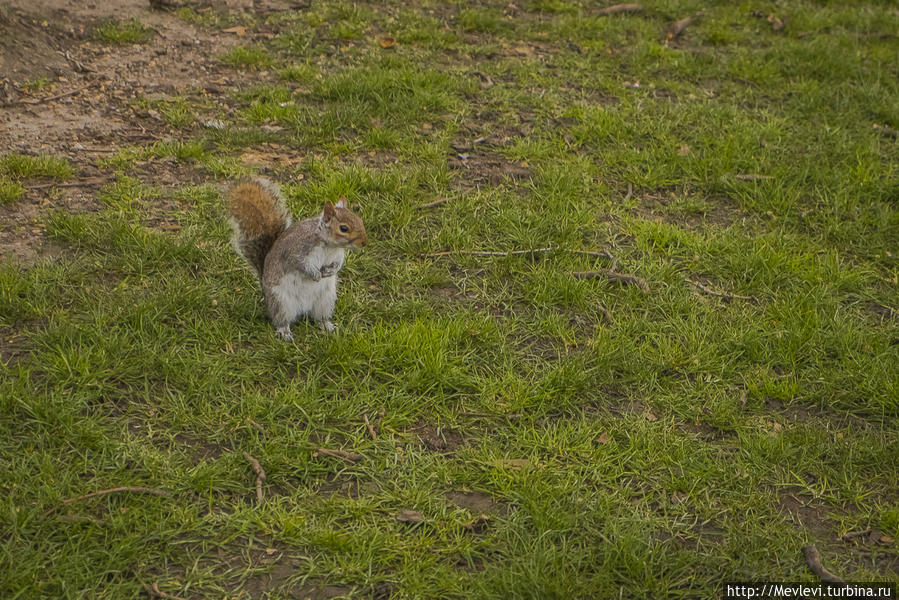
<point x="23" y="166"/>
<point x="686" y="441"/>
<point x="131" y="31"/>
<point x="246" y="58"/>
<point x="10" y="191"/>
<point x="38" y="84"/>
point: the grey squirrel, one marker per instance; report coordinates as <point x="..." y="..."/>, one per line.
<point x="296" y="262"/>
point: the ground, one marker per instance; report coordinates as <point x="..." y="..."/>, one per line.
<point x="626" y="325"/>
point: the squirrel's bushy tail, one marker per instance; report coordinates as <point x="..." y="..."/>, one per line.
<point x="258" y="216"/>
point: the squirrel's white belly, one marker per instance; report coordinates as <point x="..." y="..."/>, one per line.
<point x="298" y="295"/>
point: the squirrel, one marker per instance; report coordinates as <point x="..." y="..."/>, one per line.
<point x="296" y="262"/>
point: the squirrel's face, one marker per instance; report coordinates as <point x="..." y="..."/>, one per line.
<point x="345" y="227"/>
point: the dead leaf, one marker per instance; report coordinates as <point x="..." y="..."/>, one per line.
<point x="677" y="497"/>
<point x="237" y="29"/>
<point x="678" y="27"/>
<point x="603" y="438"/>
<point x="683" y="150"/>
<point x="478" y="525"/>
<point x="776" y="23"/>
<point x="387" y="42"/>
<point x="885" y="539"/>
<point x="410" y="516"/>
<point x="516" y="464"/>
<point x="650" y="416"/>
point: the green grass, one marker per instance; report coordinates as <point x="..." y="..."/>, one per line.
<point x="621" y="443"/>
<point x="10" y="191"/>
<point x="38" y="84"/>
<point x="131" y="31"/>
<point x="246" y="58"/>
<point x="20" y="166"/>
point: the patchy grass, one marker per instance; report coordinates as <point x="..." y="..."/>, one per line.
<point x="10" y="191"/>
<point x="618" y="442"/>
<point x="242" y="57"/>
<point x="38" y="84"/>
<point x="131" y="31"/>
<point x="23" y="166"/>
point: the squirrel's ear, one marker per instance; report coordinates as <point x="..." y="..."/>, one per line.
<point x="342" y="202"/>
<point x="328" y="211"/>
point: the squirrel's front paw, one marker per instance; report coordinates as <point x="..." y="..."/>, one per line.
<point x="328" y="326"/>
<point x="285" y="333"/>
<point x="329" y="269"/>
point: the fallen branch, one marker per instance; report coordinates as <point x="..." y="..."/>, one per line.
<point x="127" y="488"/>
<point x="678" y="27"/>
<point x="614" y="276"/>
<point x="260" y="475"/>
<point x="813" y="558"/>
<point x="619" y="8"/>
<point x="371" y="430"/>
<point x="347" y="456"/>
<point x="155" y="591"/>
<point x="57" y="96"/>
<point x="433" y="204"/>
<point x="719" y="294"/>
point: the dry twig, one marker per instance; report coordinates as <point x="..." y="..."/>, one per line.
<point x="127" y="488"/>
<point x="486" y="252"/>
<point x="854" y="534"/>
<point x="82" y="183"/>
<point x="887" y="130"/>
<point x="605" y="312"/>
<point x="258" y="427"/>
<point x="719" y="294"/>
<point x="437" y="202"/>
<point x="371" y="430"/>
<point x="630" y="192"/>
<point x="605" y="253"/>
<point x="813" y="558"/>
<point x="57" y="96"/>
<point x="347" y="456"/>
<point x="619" y="8"/>
<point x="752" y="177"/>
<point x="260" y="475"/>
<point x="156" y="592"/>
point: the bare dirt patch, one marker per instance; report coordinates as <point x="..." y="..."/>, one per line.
<point x="437" y="439"/>
<point x="807" y="514"/>
<point x="87" y="106"/>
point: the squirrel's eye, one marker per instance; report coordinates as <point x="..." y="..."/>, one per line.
<point x="344" y="228"/>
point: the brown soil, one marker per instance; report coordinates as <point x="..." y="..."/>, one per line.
<point x="438" y="440"/>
